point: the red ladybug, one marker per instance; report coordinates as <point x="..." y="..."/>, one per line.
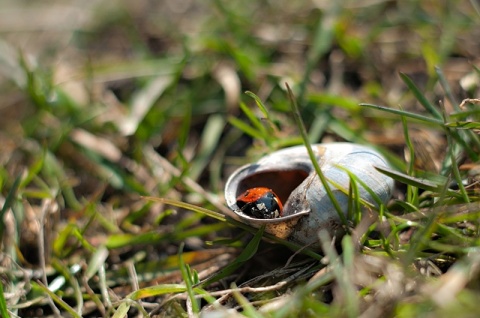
<point x="260" y="203"/>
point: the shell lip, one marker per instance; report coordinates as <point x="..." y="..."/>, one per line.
<point x="280" y="219"/>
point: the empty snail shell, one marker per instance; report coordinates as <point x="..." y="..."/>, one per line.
<point x="283" y="192"/>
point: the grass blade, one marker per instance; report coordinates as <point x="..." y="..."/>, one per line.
<point x="420" y="97"/>
<point x="96" y="262"/>
<point x="187" y="278"/>
<point x="417" y="182"/>
<point x="122" y="310"/>
<point x="231" y="219"/>
<point x="412" y="192"/>
<point x="464" y="124"/>
<point x="405" y="113"/>
<point x="260" y="104"/>
<point x="157" y="290"/>
<point x="9" y="200"/>
<point x="248" y="252"/>
<point x="209" y="143"/>
<point x="190" y="207"/>
<point x="247" y="308"/>
<point x="455" y="170"/>
<point x="3" y="303"/>
<point x="446" y="87"/>
<point x="59" y="300"/>
<point x="339" y="271"/>
<point x="303" y="132"/>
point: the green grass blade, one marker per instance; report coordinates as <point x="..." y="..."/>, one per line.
<point x="256" y="122"/>
<point x="417" y="182"/>
<point x="122" y="310"/>
<point x="247" y="308"/>
<point x="241" y="125"/>
<point x="455" y="170"/>
<point x="464" y="124"/>
<point x="405" y="113"/>
<point x="348" y="255"/>
<point x="248" y="252"/>
<point x="3" y="303"/>
<point x="157" y="290"/>
<point x="412" y="192"/>
<point x="208" y="144"/>
<point x="303" y="132"/>
<point x="357" y="181"/>
<point x="342" y="276"/>
<point x="446" y="87"/>
<point x="58" y="300"/>
<point x="260" y="104"/>
<point x="187" y="278"/>
<point x="420" y="97"/>
<point x="420" y="239"/>
<point x="96" y="262"/>
<point x="354" y="207"/>
<point x="121" y="240"/>
<point x="9" y="201"/>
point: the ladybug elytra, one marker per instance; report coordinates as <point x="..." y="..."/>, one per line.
<point x="260" y="203"/>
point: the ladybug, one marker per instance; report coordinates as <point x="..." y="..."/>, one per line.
<point x="260" y="203"/>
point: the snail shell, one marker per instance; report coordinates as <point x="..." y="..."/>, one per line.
<point x="306" y="206"/>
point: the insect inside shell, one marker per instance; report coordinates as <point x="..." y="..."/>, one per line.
<point x="283" y="192"/>
<point x="260" y="203"/>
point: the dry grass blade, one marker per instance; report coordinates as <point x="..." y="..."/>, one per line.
<point x="190" y="207"/>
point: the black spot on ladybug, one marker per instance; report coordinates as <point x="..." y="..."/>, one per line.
<point x="260" y="203"/>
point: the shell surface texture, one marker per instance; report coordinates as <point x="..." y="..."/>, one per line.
<point x="283" y="192"/>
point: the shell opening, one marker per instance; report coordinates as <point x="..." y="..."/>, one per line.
<point x="282" y="182"/>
